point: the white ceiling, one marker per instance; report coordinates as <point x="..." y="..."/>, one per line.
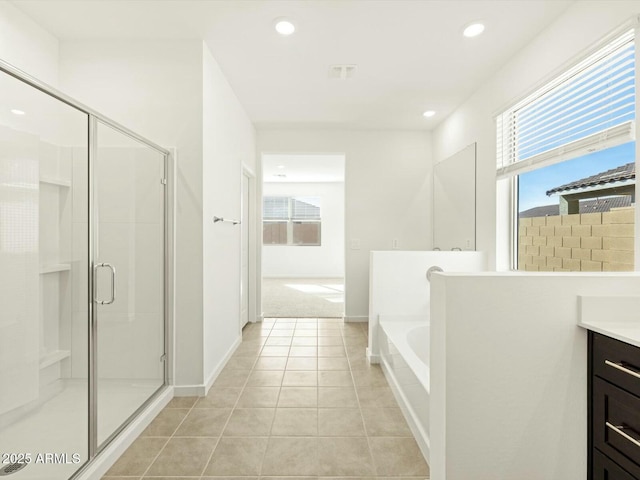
<point x="411" y="54"/>
<point x="302" y="168"/>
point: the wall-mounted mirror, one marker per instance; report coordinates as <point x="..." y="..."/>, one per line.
<point x="454" y="201"/>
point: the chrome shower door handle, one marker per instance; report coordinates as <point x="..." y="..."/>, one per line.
<point x="95" y="283"/>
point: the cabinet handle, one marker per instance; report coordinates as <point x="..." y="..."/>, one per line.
<point x="619" y="431"/>
<point x="622" y="368"/>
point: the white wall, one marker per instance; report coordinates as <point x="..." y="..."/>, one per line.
<point x="508" y="369"/>
<point x="579" y="27"/>
<point x="229" y="143"/>
<point x="326" y="260"/>
<point x="27" y="46"/>
<point x="387" y="193"/>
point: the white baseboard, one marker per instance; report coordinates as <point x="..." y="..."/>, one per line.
<point x="202" y="389"/>
<point x="105" y="459"/>
<point x="373" y="359"/>
<point x="356" y="319"/>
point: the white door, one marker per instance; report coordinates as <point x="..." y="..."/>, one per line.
<point x="244" y="257"/>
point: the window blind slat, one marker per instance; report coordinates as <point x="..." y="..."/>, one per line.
<point x="573" y="113"/>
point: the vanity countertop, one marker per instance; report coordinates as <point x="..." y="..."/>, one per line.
<point x="613" y="316"/>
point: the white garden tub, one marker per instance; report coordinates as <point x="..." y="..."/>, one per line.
<point x="404" y="356"/>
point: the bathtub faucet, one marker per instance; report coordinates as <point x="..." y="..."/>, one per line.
<point x="435" y="268"/>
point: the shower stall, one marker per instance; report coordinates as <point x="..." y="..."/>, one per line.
<point x="83" y="279"/>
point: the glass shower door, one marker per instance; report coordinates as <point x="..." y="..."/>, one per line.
<point x="128" y="262"/>
<point x="44" y="297"/>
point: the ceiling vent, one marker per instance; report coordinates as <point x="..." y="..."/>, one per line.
<point x="280" y="175"/>
<point x="342" y="72"/>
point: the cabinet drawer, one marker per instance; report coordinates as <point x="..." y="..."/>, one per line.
<point x="616" y="425"/>
<point x="617" y="362"/>
<point x="605" y="469"/>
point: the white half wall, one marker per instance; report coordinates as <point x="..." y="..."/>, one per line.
<point x="577" y="29"/>
<point x="398" y="285"/>
<point x="387" y="194"/>
<point x="325" y="260"/>
<point x="27" y="46"/>
<point x="508" y="367"/>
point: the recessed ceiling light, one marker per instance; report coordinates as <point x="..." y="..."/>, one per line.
<point x="429" y="113"/>
<point x="280" y="166"/>
<point x="284" y="27"/>
<point x="473" y="30"/>
<point x="15" y="111"/>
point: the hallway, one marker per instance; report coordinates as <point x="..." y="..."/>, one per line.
<point x="297" y="399"/>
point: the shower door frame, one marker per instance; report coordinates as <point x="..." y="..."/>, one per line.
<point x="93" y="117"/>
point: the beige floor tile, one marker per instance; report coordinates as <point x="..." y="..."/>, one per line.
<point x="240" y="363"/>
<point x="249" y="422"/>
<point x="303" y="351"/>
<point x="288" y="456"/>
<point x="275" y="351"/>
<point x="220" y="478"/>
<point x="137" y="458"/>
<point x="372" y="377"/>
<point x="247" y="349"/>
<point x="304" y="341"/>
<point x="397" y="456"/>
<point x="344" y="397"/>
<point x="288" y="478"/>
<point x="329" y="332"/>
<point x="183" y="456"/>
<point x="333" y="363"/>
<point x="219" y="397"/>
<point x="278" y="341"/>
<point x="371" y="397"/>
<point x="265" y="378"/>
<point x="340" y="422"/>
<point x="359" y="363"/>
<point x="204" y="422"/>
<point x="335" y="341"/>
<point x="182" y="402"/>
<point x="301" y="325"/>
<point x="355" y="341"/>
<point x="331" y="351"/>
<point x="344" y="456"/>
<point x="165" y="423"/>
<point x="298" y="397"/>
<point x="281" y="333"/>
<point x="270" y="363"/>
<point x="231" y="378"/>
<point x="385" y="422"/>
<point x="284" y="325"/>
<point x="294" y="378"/>
<point x="302" y="363"/>
<point x="335" y="378"/>
<point x="237" y="456"/>
<point x="258" y="397"/>
<point x="295" y="421"/>
<point x="305" y="333"/>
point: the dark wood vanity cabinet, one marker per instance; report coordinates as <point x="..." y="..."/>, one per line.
<point x="614" y="409"/>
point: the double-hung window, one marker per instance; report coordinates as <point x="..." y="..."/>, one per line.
<point x="570" y="150"/>
<point x="291" y="220"/>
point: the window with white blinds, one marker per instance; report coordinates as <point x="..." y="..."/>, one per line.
<point x="291" y="220"/>
<point x="589" y="108"/>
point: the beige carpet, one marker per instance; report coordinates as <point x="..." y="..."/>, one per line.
<point x="303" y="297"/>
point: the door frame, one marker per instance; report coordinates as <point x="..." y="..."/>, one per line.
<point x="248" y="172"/>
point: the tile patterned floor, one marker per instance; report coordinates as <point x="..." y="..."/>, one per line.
<point x="297" y="400"/>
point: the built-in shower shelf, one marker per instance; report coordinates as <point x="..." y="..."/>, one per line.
<point x="53" y="357"/>
<point x="55" y="267"/>
<point x="60" y="182"/>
